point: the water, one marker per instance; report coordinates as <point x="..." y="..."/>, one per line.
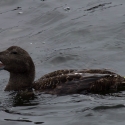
<point x="89" y="34"/>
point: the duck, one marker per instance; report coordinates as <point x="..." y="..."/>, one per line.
<point x="20" y="65"/>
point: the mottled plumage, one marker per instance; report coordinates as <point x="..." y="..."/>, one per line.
<point x="22" y="72"/>
<point x="93" y="80"/>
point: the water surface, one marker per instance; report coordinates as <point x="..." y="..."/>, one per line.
<point x="60" y="35"/>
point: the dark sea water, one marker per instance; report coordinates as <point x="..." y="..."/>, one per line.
<point x="61" y="34"/>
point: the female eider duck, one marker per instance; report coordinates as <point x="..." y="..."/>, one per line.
<point x="22" y="73"/>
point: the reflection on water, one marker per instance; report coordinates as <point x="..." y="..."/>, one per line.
<point x="24" y="99"/>
<point x="70" y="109"/>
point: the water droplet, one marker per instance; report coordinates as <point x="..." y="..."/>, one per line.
<point x="20" y="12"/>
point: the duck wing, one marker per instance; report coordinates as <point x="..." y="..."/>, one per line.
<point x="94" y="81"/>
<point x="68" y="71"/>
<point x="57" y="73"/>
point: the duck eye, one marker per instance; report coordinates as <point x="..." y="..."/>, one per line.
<point x="14" y="52"/>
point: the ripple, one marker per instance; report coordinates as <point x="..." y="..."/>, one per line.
<point x="109" y="107"/>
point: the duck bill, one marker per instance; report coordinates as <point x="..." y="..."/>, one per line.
<point x="1" y="66"/>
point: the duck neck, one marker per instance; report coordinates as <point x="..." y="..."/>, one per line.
<point x="20" y="81"/>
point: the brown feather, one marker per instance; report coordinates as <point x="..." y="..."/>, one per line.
<point x="69" y="81"/>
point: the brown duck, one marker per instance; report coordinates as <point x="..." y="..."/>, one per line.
<point x="22" y="73"/>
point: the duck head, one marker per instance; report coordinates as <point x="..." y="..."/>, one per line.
<point x="20" y="65"/>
